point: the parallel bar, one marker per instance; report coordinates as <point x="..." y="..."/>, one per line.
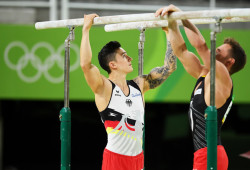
<point x="164" y="23"/>
<point x="135" y="25"/>
<point x="223" y="13"/>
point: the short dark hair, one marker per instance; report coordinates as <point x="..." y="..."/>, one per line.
<point x="107" y="54"/>
<point x="238" y="53"/>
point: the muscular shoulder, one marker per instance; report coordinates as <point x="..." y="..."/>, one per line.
<point x="106" y="87"/>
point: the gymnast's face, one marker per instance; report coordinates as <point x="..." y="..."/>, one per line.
<point x="123" y="61"/>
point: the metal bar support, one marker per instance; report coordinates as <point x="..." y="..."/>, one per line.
<point x="140" y="70"/>
<point x="71" y="37"/>
<point x="211" y="111"/>
<point x="65" y="113"/>
<point x="141" y="50"/>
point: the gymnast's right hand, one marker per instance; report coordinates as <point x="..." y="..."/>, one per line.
<point x="88" y="21"/>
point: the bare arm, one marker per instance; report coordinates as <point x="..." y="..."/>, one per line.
<point x="159" y="74"/>
<point x="223" y="82"/>
<point x="197" y="40"/>
<point x="190" y="62"/>
<point x="91" y="72"/>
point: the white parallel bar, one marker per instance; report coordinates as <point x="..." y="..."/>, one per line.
<point x="98" y="20"/>
<point x="224" y="13"/>
<point x="164" y="23"/>
<point x="135" y="25"/>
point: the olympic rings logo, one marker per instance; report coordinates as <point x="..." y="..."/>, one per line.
<point x="55" y="58"/>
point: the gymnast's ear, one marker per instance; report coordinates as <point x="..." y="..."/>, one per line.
<point x="112" y="65"/>
<point x="230" y="62"/>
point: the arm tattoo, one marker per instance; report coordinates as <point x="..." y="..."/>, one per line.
<point x="170" y="59"/>
<point x="159" y="74"/>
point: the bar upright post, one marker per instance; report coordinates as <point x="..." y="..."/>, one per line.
<point x="211" y="111"/>
<point x="65" y="113"/>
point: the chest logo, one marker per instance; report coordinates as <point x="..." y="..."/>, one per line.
<point x="117" y="93"/>
<point x="198" y="91"/>
<point x="136" y="94"/>
<point x="128" y="102"/>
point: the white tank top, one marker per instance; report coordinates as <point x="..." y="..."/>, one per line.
<point x="124" y="120"/>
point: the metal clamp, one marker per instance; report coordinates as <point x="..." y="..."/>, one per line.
<point x="218" y="27"/>
<point x="71" y="35"/>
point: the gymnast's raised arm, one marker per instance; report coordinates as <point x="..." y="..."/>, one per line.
<point x="159" y="74"/>
<point x="91" y="72"/>
<point x="189" y="60"/>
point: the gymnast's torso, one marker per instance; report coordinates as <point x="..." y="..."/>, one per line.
<point x="196" y="115"/>
<point x="123" y="119"/>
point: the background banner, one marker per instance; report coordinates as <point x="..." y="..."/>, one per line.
<point x="32" y="63"/>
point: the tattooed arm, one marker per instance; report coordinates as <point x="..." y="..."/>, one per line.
<point x="159" y="74"/>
